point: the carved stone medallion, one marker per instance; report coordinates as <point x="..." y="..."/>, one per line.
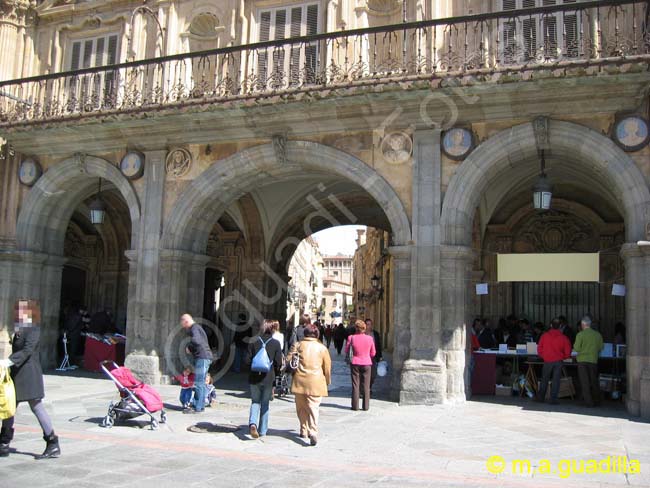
<point x="178" y="162"/>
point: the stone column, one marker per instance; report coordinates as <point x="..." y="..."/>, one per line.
<point x="9" y="197"/>
<point x="14" y="15"/>
<point x="637" y="281"/>
<point x="423" y="374"/>
<point x="401" y="288"/>
<point x="457" y="301"/>
<point x="144" y="274"/>
<point x="34" y="276"/>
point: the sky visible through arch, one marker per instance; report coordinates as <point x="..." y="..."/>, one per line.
<point x="335" y="240"/>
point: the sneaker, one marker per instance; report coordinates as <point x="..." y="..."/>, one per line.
<point x="253" y="431"/>
<point x="190" y="411"/>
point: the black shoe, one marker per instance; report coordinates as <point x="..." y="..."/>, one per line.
<point x="52" y="449"/>
<point x="4" y="450"/>
<point x="190" y="411"/>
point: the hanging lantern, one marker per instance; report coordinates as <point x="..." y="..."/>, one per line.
<point x="97" y="208"/>
<point x="542" y="190"/>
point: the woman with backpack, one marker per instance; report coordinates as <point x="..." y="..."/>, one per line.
<point x="264" y="356"/>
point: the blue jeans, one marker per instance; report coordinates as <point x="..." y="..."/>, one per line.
<point x="259" y="413"/>
<point x="186" y="396"/>
<point x="200" y="370"/>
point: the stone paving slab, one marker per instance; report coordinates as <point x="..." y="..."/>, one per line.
<point x="390" y="445"/>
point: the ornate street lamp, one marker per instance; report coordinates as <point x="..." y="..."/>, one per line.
<point x="375" y="281"/>
<point x="542" y="190"/>
<point x="97" y="208"/>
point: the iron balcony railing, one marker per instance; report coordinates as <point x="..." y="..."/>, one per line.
<point x="531" y="38"/>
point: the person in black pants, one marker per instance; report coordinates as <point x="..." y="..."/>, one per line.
<point x="27" y="376"/>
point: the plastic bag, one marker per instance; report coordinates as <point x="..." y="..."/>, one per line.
<point x="382" y="368"/>
<point x="7" y="395"/>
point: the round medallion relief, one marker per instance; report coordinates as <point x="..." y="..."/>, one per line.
<point x="178" y="162"/>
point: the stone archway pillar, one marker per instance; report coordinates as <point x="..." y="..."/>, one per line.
<point x="637" y="309"/>
<point x="423" y="378"/>
<point x="457" y="309"/>
<point x="401" y="287"/>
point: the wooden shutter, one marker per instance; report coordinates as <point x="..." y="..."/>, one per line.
<point x="76" y="56"/>
<point x="311" y="50"/>
<point x="295" y="31"/>
<point x="280" y="28"/>
<point x="264" y="35"/>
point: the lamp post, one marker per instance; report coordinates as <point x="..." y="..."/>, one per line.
<point x="542" y="190"/>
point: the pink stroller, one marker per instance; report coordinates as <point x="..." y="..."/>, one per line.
<point x="136" y="398"/>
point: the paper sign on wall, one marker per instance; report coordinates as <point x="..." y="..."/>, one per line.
<point x="618" y="290"/>
<point x="481" y="288"/>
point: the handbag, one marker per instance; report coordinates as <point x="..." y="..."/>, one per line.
<point x="350" y="354"/>
<point x="294" y="362"/>
<point x="7" y="395"/>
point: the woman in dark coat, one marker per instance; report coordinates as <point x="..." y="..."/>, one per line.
<point x="27" y="376"/>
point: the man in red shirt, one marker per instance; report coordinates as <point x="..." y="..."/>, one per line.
<point x="554" y="347"/>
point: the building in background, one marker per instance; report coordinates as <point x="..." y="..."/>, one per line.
<point x="144" y="174"/>
<point x="306" y="281"/>
<point x="338" y="272"/>
<point x="371" y="286"/>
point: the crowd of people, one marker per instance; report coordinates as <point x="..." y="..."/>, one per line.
<point x="555" y="344"/>
<point x="302" y="353"/>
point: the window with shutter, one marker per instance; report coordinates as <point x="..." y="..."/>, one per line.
<point x="287" y="65"/>
<point x="93" y="88"/>
<point x="553" y="34"/>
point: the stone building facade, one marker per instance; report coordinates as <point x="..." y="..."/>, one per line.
<point x="305" y="291"/>
<point x="338" y="273"/>
<point x="220" y="134"/>
<point x="373" y="300"/>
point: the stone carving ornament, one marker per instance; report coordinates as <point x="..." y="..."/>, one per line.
<point x="178" y="162"/>
<point x="383" y="6"/>
<point x="555" y="231"/>
<point x="397" y="148"/>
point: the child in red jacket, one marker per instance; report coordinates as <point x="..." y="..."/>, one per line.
<point x="186" y="381"/>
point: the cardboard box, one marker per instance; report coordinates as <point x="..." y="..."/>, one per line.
<point x="502" y="390"/>
<point x="566" y="388"/>
<point x="609" y="383"/>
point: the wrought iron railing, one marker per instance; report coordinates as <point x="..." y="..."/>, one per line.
<point x="533" y="38"/>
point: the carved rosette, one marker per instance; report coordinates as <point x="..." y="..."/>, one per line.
<point x="19" y="12"/>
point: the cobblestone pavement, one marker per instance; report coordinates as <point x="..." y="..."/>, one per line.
<point x="390" y="445"/>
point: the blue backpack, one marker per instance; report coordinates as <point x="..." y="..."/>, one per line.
<point x="261" y="361"/>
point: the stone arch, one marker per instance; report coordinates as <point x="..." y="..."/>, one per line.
<point x="585" y="154"/>
<point x="229" y="179"/>
<point x="45" y="213"/>
<point x="578" y="145"/>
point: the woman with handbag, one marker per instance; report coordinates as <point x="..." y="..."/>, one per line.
<point x="28" y="377"/>
<point x="361" y="348"/>
<point x="311" y="365"/>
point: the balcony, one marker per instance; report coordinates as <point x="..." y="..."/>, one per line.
<point x="580" y="35"/>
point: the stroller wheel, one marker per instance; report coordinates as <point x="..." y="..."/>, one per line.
<point x="154" y="424"/>
<point x="163" y="417"/>
<point x="109" y="420"/>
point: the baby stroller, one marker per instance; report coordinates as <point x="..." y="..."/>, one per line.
<point x="136" y="398"/>
<point x="281" y="384"/>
